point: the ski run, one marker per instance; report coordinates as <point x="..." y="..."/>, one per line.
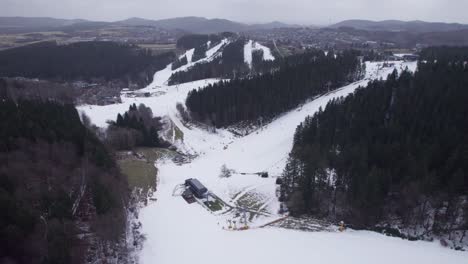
<point x="178" y="232"/>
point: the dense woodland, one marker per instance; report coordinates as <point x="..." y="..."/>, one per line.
<point x="397" y="149"/>
<point x="135" y="128"/>
<point x="445" y="54"/>
<point x="264" y="96"/>
<point x="87" y="61"/>
<point x="57" y="180"/>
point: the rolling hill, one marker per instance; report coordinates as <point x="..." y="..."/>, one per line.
<point x="191" y="24"/>
<point x="203" y="25"/>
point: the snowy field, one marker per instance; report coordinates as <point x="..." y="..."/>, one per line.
<point x="180" y="233"/>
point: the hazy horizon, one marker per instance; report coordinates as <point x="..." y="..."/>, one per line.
<point x="254" y="11"/>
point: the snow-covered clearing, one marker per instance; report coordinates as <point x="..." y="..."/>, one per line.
<point x="252" y="46"/>
<point x="180" y="233"/>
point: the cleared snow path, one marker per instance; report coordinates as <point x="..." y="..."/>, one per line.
<point x="180" y="233"/>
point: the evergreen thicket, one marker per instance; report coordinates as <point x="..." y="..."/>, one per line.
<point x="281" y="88"/>
<point x="89" y="61"/>
<point x="389" y="148"/>
<point x="135" y="128"/>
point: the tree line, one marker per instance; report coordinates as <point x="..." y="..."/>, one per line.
<point x="397" y="149"/>
<point x="262" y="97"/>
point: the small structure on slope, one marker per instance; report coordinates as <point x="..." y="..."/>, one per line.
<point x="198" y="189"/>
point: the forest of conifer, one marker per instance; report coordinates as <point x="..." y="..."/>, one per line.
<point x="396" y="149"/>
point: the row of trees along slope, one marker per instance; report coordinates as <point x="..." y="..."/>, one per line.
<point x="84" y="61"/>
<point x="62" y="196"/>
<point x="263" y="97"/>
<point x="397" y="149"/>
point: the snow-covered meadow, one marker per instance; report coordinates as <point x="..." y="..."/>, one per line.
<point x="177" y="232"/>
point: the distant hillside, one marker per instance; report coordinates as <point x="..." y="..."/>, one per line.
<point x="191" y="24"/>
<point x="202" y="25"/>
<point x="397" y="25"/>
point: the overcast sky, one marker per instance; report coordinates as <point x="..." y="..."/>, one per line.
<point x="292" y="11"/>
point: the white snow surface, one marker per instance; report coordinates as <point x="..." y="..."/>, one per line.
<point x="180" y="233"/>
<point x="251" y="46"/>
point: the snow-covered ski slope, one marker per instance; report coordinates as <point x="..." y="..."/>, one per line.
<point x="161" y="77"/>
<point x="251" y="46"/>
<point x="179" y="233"/>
